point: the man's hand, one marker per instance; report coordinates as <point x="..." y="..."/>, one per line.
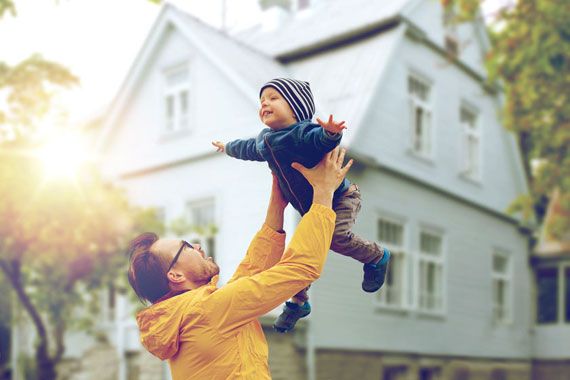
<point x="332" y="126"/>
<point x="220" y="146"/>
<point x="326" y="176"/>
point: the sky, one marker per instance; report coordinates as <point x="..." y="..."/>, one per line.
<point x="98" y="39"/>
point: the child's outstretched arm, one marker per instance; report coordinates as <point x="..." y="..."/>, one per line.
<point x="323" y="139"/>
<point x="241" y="149"/>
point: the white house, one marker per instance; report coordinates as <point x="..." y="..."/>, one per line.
<point x="435" y="167"/>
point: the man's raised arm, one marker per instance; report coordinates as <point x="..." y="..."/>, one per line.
<point x="249" y="297"/>
<point x="266" y="247"/>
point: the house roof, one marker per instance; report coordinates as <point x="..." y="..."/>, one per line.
<point x="242" y="57"/>
<point x="325" y="21"/>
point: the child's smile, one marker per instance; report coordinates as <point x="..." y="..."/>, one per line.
<point x="275" y="112"/>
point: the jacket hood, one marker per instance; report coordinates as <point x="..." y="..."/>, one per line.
<point x="160" y="325"/>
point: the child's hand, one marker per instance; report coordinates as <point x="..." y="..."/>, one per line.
<point x="331" y="126"/>
<point x="220" y="146"/>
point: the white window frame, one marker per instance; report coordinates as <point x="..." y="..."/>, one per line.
<point x="439" y="262"/>
<point x="426" y="139"/>
<point x="507" y="278"/>
<point x="204" y="239"/>
<point x="470" y="132"/>
<point x="397" y="251"/>
<point x="179" y="122"/>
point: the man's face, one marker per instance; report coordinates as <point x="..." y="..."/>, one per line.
<point x="192" y="263"/>
<point x="275" y="112"/>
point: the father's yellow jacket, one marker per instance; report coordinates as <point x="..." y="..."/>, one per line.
<point x="210" y="333"/>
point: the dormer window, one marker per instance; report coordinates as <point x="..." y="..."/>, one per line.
<point x="176" y="99"/>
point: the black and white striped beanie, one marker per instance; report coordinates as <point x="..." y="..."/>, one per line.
<point x="297" y="93"/>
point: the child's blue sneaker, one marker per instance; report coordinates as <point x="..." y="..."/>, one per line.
<point x="290" y="315"/>
<point x="375" y="274"/>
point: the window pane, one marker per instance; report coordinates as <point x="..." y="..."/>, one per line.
<point x="169" y="112"/>
<point x="395" y="373"/>
<point x="468" y="118"/>
<point x="394" y="278"/>
<point x="390" y="233"/>
<point x="430" y="374"/>
<point x="547" y="295"/>
<point x="567" y="298"/>
<point x="184" y="102"/>
<point x="430" y="244"/>
<point x="418" y="88"/>
<point x="499" y="264"/>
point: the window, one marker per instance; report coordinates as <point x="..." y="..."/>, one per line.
<point x="430" y="260"/>
<point x="395" y="373"/>
<point x="420" y="116"/>
<point x="433" y="373"/>
<point x="176" y="99"/>
<point x="547" y="295"/>
<point x="471" y="160"/>
<point x="498" y="374"/>
<point x="502" y="285"/>
<point x="391" y="236"/>
<point x="461" y="374"/>
<point x="202" y="219"/>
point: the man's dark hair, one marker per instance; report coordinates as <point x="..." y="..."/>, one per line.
<point x="147" y="270"/>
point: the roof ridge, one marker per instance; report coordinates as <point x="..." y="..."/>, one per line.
<point x="219" y="32"/>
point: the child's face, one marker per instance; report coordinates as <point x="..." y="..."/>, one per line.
<point x="275" y="112"/>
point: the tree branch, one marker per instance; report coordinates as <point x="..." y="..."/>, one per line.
<point x="14" y="277"/>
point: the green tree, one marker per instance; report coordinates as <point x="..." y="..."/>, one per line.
<point x="59" y="242"/>
<point x="530" y="60"/>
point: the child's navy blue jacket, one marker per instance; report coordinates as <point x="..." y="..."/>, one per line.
<point x="305" y="143"/>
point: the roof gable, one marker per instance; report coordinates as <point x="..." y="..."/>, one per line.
<point x="231" y="58"/>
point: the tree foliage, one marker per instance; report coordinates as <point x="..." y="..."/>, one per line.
<point x="29" y="88"/>
<point x="59" y="242"/>
<point x="530" y="59"/>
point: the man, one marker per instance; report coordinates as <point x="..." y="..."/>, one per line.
<point x="213" y="333"/>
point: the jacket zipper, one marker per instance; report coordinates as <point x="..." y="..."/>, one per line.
<point x="282" y="174"/>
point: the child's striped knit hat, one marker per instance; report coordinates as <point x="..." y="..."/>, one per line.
<point x="297" y="93"/>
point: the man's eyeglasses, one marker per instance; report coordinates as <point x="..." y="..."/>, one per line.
<point x="184" y="244"/>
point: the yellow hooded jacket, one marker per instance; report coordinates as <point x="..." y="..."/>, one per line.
<point x="213" y="333"/>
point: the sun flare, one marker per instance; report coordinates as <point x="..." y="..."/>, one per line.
<point x="63" y="156"/>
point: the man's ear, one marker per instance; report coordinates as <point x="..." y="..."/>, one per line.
<point x="175" y="277"/>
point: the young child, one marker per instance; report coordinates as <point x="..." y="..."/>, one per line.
<point x="287" y="108"/>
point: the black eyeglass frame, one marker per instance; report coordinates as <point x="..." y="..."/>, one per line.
<point x="175" y="259"/>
